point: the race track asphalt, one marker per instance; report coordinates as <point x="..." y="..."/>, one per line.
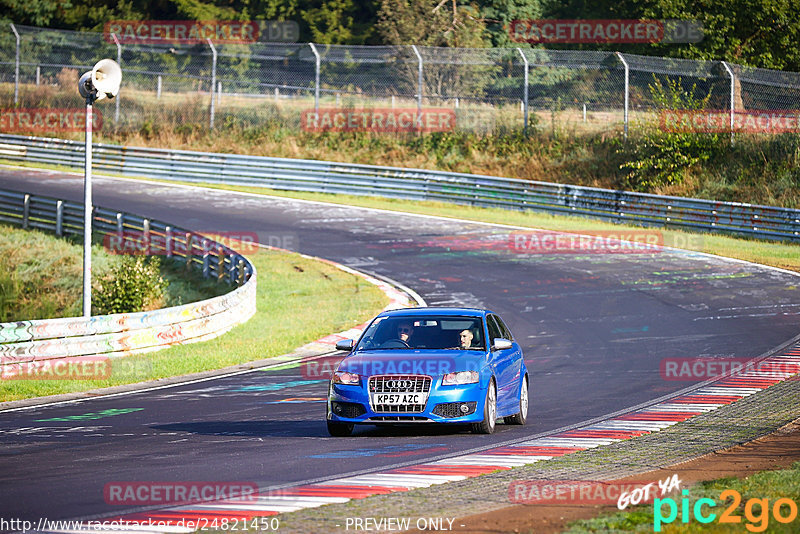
<point x="594" y="328"/>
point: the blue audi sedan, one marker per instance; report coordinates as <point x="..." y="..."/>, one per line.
<point x="430" y="365"/>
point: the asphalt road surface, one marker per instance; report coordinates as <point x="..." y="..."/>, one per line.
<point x="594" y="327"/>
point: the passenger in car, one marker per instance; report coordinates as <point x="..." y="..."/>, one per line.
<point x="466" y="338"/>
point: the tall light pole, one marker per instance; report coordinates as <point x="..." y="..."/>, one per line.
<point x="101" y="82"/>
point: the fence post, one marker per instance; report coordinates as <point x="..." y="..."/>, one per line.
<point x="213" y="81"/>
<point x="733" y="94"/>
<point x="219" y="93"/>
<point x="38" y="75"/>
<point x="206" y="260"/>
<point x="220" y="263"/>
<point x="119" y="224"/>
<point x="168" y="241"/>
<point x="627" y="91"/>
<point x="525" y="94"/>
<point x="158" y="88"/>
<point x="232" y="268"/>
<point x="119" y="62"/>
<point x="189" y="237"/>
<point x="146" y="233"/>
<point x="26" y="211"/>
<point x="419" y="86"/>
<point x="316" y="77"/>
<point x="60" y="218"/>
<point x="16" y="67"/>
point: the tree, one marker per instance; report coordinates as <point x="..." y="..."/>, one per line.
<point x="430" y="23"/>
<point x="760" y="33"/>
<point x="498" y="15"/>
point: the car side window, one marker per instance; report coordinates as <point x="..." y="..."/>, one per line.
<point x="504" y="328"/>
<point x="494" y="329"/>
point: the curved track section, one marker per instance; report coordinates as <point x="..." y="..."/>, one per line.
<point x="595" y="329"/>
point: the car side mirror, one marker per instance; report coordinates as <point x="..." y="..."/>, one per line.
<point x="345" y="344"/>
<point x="500" y="343"/>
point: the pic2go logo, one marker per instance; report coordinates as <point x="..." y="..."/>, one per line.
<point x="756" y="511"/>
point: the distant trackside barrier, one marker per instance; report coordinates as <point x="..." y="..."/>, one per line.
<point x="24" y="343"/>
<point x="643" y="209"/>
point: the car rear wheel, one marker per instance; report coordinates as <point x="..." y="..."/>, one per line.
<point x="339" y="430"/>
<point x="522" y="416"/>
<point x="489" y="412"/>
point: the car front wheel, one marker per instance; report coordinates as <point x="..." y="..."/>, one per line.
<point x="489" y="412"/>
<point x="522" y="416"/>
<point x="339" y="430"/>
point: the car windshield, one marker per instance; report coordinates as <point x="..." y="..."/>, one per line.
<point x="430" y="332"/>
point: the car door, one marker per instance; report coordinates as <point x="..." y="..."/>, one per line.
<point x="515" y="368"/>
<point x="502" y="362"/>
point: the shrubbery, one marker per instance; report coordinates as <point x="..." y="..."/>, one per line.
<point x="658" y="158"/>
<point x="134" y="284"/>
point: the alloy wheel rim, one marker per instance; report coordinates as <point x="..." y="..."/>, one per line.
<point x="492" y="407"/>
<point x="523" y="399"/>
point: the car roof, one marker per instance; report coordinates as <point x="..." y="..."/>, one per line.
<point x="433" y="310"/>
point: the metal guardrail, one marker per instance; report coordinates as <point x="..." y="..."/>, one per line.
<point x="762" y="222"/>
<point x="125" y="333"/>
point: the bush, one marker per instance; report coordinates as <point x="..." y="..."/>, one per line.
<point x="659" y="158"/>
<point x="134" y="284"/>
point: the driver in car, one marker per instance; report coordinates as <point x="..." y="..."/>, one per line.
<point x="404" y="333"/>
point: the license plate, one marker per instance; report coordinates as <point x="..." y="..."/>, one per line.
<point x="398" y="398"/>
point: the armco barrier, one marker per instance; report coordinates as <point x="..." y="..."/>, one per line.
<point x="763" y="222"/>
<point x="125" y="333"/>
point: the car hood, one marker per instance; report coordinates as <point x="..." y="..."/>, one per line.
<point x="413" y="362"/>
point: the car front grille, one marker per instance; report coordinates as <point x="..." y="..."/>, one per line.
<point x="399" y="384"/>
<point x="400" y="418"/>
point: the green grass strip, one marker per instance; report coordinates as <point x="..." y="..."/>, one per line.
<point x="776" y="254"/>
<point x="298" y="300"/>
<point x="752" y="516"/>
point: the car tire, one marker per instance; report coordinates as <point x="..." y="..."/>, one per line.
<point x="489" y="412"/>
<point x="521" y="417"/>
<point x="339" y="430"/>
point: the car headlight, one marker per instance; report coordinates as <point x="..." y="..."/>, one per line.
<point x="462" y="377"/>
<point x="343" y="377"/>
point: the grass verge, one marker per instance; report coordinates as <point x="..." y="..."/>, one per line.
<point x="298" y="299"/>
<point x="488" y="139"/>
<point x="775" y="254"/>
<point x="41" y="276"/>
<point x="748" y="516"/>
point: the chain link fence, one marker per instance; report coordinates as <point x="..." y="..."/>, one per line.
<point x="196" y="87"/>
